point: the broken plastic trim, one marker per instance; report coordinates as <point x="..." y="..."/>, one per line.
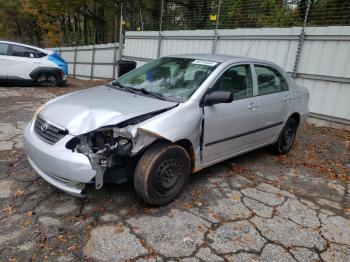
<point x="137" y="139"/>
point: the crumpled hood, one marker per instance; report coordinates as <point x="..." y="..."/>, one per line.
<point x="89" y="109"/>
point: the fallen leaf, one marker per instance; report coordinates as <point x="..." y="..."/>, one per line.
<point x="18" y="193"/>
<point x="236" y="197"/>
<point x="9" y="210"/>
<point x="72" y="248"/>
<point x="119" y="228"/>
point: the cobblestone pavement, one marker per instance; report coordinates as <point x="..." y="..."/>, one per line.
<point x="257" y="207"/>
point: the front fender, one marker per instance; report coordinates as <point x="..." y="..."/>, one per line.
<point x="182" y="122"/>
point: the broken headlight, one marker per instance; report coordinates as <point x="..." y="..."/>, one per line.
<point x="104" y="141"/>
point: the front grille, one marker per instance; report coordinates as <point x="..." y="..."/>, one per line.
<point x="47" y="132"/>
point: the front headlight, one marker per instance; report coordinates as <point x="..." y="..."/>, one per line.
<point x="106" y="140"/>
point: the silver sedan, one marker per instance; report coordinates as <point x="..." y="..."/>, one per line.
<point x="163" y="121"/>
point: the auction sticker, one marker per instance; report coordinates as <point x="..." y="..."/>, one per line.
<point x="204" y="62"/>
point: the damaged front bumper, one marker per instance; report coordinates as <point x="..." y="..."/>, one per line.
<point x="59" y="166"/>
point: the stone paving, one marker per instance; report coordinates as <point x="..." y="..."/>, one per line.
<point x="257" y="207"/>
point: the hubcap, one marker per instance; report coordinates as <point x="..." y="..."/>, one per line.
<point x="288" y="136"/>
<point x="168" y="174"/>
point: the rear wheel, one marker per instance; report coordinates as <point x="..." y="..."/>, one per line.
<point x="47" y="80"/>
<point x="162" y="173"/>
<point x="286" y="138"/>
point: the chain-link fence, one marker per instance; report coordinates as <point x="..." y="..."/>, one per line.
<point x="229" y="14"/>
<point x="98" y="21"/>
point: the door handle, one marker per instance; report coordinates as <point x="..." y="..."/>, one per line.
<point x="286" y="99"/>
<point x="252" y="106"/>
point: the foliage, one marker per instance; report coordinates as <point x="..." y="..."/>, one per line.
<point x="83" y="22"/>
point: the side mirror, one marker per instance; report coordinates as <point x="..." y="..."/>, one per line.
<point x="218" y="97"/>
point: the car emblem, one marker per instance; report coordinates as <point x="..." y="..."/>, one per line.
<point x="44" y="127"/>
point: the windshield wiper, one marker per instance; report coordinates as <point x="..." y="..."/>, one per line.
<point x="154" y="94"/>
<point x="127" y="88"/>
<point x="139" y="91"/>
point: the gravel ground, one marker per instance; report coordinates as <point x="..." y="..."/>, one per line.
<point x="257" y="207"/>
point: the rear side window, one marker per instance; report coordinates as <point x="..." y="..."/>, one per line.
<point x="269" y="80"/>
<point x="23" y="51"/>
<point x="4" y="49"/>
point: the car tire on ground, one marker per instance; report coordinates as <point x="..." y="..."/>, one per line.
<point x="47" y="80"/>
<point x="161" y="173"/>
<point x="286" y="138"/>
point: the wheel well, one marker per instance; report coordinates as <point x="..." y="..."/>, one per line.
<point x="296" y="117"/>
<point x="187" y="145"/>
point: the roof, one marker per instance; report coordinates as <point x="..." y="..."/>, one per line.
<point x="223" y="58"/>
<point x="209" y="57"/>
<point x="29" y="46"/>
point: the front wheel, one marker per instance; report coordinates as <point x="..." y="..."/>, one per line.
<point x="161" y="173"/>
<point x="286" y="138"/>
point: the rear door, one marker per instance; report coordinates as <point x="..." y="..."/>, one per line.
<point x="273" y="102"/>
<point x="229" y="128"/>
<point x="4" y="53"/>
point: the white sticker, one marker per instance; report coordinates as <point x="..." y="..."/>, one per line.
<point x="204" y="62"/>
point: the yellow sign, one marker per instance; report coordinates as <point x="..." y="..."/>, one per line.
<point x="212" y="18"/>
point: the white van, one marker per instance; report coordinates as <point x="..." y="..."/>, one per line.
<point x="24" y="64"/>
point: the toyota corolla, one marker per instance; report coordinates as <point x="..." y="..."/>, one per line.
<point x="163" y="121"/>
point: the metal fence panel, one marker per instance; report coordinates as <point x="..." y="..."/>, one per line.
<point x="90" y="62"/>
<point x="83" y="70"/>
<point x="323" y="66"/>
<point x="141" y="44"/>
<point x="328" y="98"/>
<point x="326" y="51"/>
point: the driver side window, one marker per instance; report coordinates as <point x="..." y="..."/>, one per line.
<point x="237" y="80"/>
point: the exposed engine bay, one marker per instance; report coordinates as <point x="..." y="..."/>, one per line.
<point x="112" y="150"/>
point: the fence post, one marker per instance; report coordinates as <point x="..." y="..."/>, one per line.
<point x="120" y="49"/>
<point x="301" y="40"/>
<point x="92" y="62"/>
<point x="75" y="60"/>
<point x="160" y="30"/>
<point x="115" y="45"/>
<point x="216" y="29"/>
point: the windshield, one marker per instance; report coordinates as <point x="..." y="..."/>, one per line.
<point x="175" y="79"/>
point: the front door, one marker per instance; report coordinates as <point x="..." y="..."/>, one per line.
<point x="229" y="128"/>
<point x="4" y="49"/>
<point x="273" y="99"/>
<point x="21" y="62"/>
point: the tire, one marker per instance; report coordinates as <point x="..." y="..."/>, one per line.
<point x="47" y="80"/>
<point x="286" y="138"/>
<point x="161" y="173"/>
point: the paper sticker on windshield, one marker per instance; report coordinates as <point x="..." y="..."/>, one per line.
<point x="204" y="62"/>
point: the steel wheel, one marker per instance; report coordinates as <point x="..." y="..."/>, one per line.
<point x="286" y="137"/>
<point x="161" y="173"/>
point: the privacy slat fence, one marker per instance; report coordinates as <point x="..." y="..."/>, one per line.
<point x="91" y="62"/>
<point x="323" y="65"/>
